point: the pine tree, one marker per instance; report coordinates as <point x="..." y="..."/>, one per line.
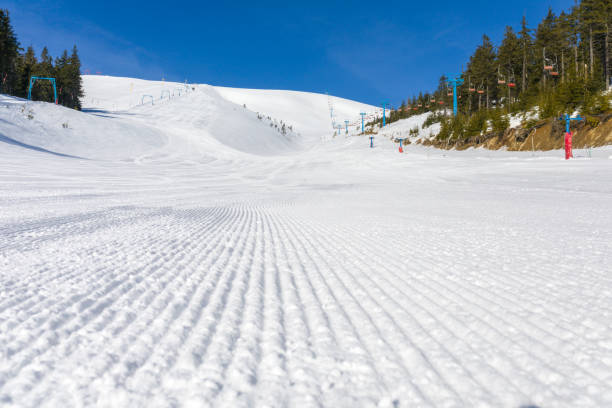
<point x="596" y="21"/>
<point x="526" y="44"/>
<point x="43" y="91"/>
<point x="73" y="88"/>
<point x="483" y="71"/>
<point x="509" y="60"/>
<point x="547" y="45"/>
<point x="9" y="52"/>
<point x="62" y="75"/>
<point x="26" y="64"/>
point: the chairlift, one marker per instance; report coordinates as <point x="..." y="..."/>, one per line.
<point x="548" y="64"/>
<point x="501" y="79"/>
<point x="480" y="89"/>
<point x="511" y="81"/>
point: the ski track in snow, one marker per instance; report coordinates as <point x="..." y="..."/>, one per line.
<point x="320" y="278"/>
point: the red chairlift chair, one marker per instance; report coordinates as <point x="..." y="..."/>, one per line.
<point x="511" y="80"/>
<point x="548" y="64"/>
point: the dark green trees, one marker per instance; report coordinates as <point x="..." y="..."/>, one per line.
<point x="9" y="51"/>
<point x="561" y="65"/>
<point x="17" y="68"/>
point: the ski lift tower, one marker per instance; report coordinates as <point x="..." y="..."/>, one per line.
<point x="362" y="115"/>
<point x="384" y="106"/>
<point x="332" y="115"/>
<point x="454" y="80"/>
<point x="339" y="129"/>
<point x="36" y="78"/>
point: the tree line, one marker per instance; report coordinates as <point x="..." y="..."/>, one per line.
<point x="561" y="65"/>
<point x="17" y="67"/>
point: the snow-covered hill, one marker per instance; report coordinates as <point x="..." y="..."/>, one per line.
<point x="307" y="113"/>
<point x="186" y="252"/>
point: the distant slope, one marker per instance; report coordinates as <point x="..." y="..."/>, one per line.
<point x="176" y="122"/>
<point x="307" y="112"/>
<point x="134" y="119"/>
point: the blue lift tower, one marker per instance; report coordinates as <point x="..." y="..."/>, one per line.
<point x="454" y="80"/>
<point x="362" y="115"/>
<point x="384" y="106"/>
<point x="36" y="78"/>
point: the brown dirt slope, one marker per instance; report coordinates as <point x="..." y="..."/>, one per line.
<point x="545" y="135"/>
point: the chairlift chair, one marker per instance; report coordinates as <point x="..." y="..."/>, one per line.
<point x="511" y="80"/>
<point x="480" y="89"/>
<point x="548" y="64"/>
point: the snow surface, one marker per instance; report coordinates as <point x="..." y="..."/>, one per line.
<point x="187" y="253"/>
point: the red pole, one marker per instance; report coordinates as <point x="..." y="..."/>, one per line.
<point x="568" y="146"/>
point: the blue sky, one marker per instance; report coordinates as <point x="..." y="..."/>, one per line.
<point x="367" y="51"/>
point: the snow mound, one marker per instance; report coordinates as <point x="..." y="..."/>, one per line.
<point x="56" y="129"/>
<point x="402" y="128"/>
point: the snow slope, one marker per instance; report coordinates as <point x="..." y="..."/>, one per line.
<point x="307" y="112"/>
<point x="198" y="257"/>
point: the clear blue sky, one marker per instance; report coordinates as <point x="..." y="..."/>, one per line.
<point x="367" y="51"/>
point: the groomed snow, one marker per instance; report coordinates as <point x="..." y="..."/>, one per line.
<point x="187" y="253"/>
